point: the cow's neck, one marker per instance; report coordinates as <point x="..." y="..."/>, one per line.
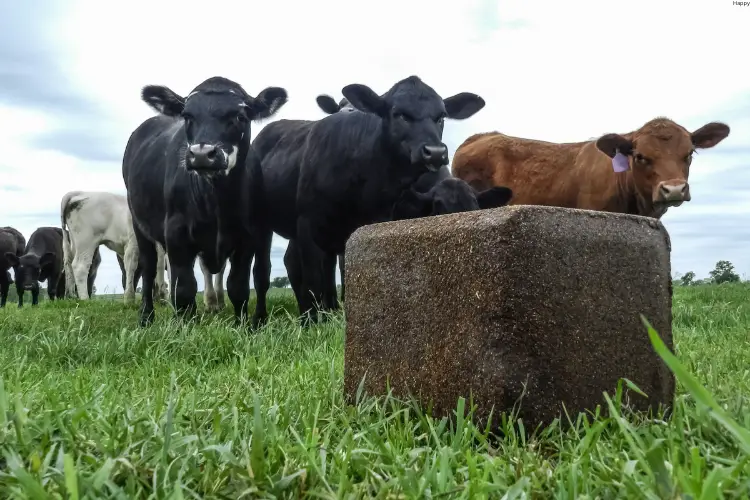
<point x="631" y="201"/>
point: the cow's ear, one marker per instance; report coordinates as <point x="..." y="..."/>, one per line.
<point x="365" y="99"/>
<point x="267" y="103"/>
<point x="412" y="204"/>
<point x="494" y="197"/>
<point x="611" y="144"/>
<point x="163" y="100"/>
<point x="328" y="104"/>
<point x="12" y="259"/>
<point x="709" y="135"/>
<point x="46" y="259"/>
<point x="463" y="105"/>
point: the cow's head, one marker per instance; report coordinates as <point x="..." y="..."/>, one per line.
<point x="659" y="155"/>
<point x="217" y="116"/>
<point x="30" y="268"/>
<point x="328" y="105"/>
<point x="413" y="115"/>
<point x="448" y="196"/>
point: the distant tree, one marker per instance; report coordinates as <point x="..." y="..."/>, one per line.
<point x="687" y="279"/>
<point x="93" y="290"/>
<point x="724" y="273"/>
<point x="280" y="282"/>
<point x="138" y="290"/>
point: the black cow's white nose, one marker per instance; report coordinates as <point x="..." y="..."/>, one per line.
<point x="435" y="155"/>
<point x="201" y="155"/>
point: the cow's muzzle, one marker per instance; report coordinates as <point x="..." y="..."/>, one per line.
<point x="205" y="158"/>
<point x="434" y="157"/>
<point x="673" y="193"/>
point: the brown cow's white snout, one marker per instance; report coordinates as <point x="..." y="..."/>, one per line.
<point x="673" y="192"/>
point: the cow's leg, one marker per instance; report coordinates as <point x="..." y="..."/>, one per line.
<point x="342" y="265"/>
<point x="181" y="255"/>
<point x="311" y="264"/>
<point x="262" y="274"/>
<point x="219" y="286"/>
<point x="238" y="282"/>
<point x="19" y="292"/>
<point x="210" y="301"/>
<point x="61" y="284"/>
<point x="330" y="295"/>
<point x="147" y="259"/>
<point x="129" y="265"/>
<point x="35" y="294"/>
<point x="93" y="270"/>
<point x="182" y="281"/>
<point x="161" y="285"/>
<point x="124" y="273"/>
<point x="293" y="271"/>
<point x="69" y="250"/>
<point x="4" y="288"/>
<point x="85" y="248"/>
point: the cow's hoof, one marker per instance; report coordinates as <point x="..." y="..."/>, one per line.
<point x="259" y="320"/>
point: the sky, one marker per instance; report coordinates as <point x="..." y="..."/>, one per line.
<point x="559" y="71"/>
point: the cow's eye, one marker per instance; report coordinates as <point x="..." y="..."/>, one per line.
<point x="639" y="158"/>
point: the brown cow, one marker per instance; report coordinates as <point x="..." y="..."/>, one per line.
<point x="643" y="172"/>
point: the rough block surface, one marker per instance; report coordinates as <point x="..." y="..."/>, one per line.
<point x="478" y="304"/>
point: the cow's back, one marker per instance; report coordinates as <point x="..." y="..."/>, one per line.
<point x="103" y="215"/>
<point x="280" y="146"/>
<point x="19" y="238"/>
<point x="46" y="239"/>
<point x="538" y="172"/>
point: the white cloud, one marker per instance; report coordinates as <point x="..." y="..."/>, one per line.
<point x="559" y="71"/>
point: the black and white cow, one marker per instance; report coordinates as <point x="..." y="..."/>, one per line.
<point x="195" y="186"/>
<point x="356" y="165"/>
<point x="11" y="242"/>
<point x="42" y="260"/>
<point x="93" y="218"/>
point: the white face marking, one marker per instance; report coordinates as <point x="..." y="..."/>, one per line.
<point x="231" y="158"/>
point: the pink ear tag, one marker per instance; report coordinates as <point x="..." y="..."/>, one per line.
<point x="620" y="163"/>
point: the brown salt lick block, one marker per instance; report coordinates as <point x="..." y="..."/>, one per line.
<point x="475" y="304"/>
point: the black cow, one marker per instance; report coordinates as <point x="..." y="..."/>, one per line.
<point x="42" y="260"/>
<point x="195" y="186"/>
<point x="449" y="195"/>
<point x="356" y="165"/>
<point x="11" y="242"/>
<point x="279" y="147"/>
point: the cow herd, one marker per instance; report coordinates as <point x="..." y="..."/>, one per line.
<point x="199" y="188"/>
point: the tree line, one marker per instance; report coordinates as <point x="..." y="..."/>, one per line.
<point x="723" y="273"/>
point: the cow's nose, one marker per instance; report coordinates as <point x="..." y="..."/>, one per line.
<point x="435" y="156"/>
<point x="674" y="192"/>
<point x="201" y="155"/>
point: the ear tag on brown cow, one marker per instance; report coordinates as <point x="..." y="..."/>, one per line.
<point x="620" y="163"/>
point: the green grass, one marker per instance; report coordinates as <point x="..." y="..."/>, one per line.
<point x="93" y="407"/>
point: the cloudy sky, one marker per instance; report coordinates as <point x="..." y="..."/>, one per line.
<point x="71" y="72"/>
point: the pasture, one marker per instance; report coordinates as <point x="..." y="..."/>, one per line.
<point x="93" y="407"/>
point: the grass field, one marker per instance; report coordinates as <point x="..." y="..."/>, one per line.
<point x="92" y="407"/>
